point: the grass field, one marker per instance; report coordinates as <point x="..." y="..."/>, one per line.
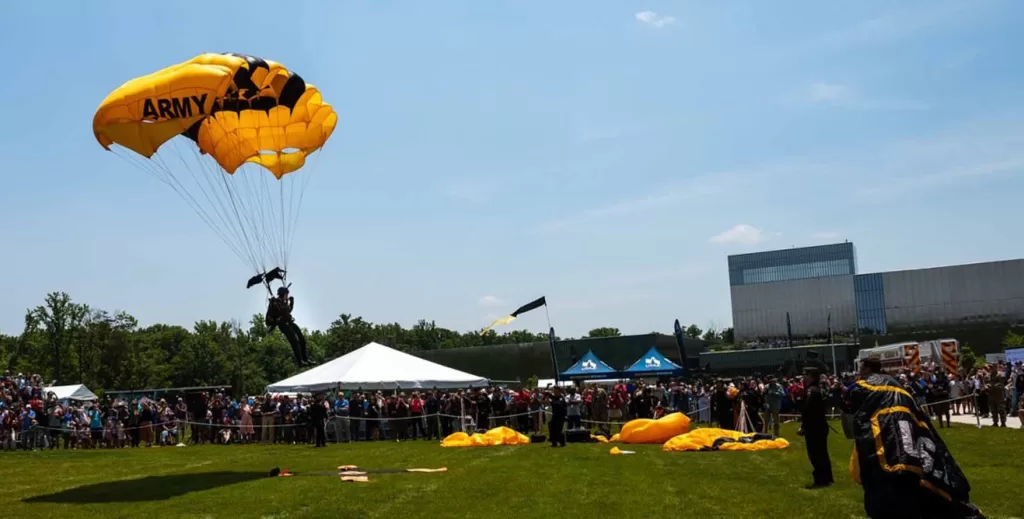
<point x="581" y="480"/>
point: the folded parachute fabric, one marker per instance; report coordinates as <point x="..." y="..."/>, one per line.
<point x="599" y="438"/>
<point x="724" y="440"/>
<point x="491" y="438"/>
<point x="615" y="451"/>
<point x="350" y="473"/>
<point x="644" y="430"/>
<point x="355" y="479"/>
<point x="352" y="470"/>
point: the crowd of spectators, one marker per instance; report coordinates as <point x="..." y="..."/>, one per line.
<point x="32" y="417"/>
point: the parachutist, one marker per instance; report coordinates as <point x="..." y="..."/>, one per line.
<point x="279" y="315"/>
<point x="905" y="468"/>
<point x="210" y="101"/>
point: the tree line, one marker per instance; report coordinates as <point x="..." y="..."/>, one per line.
<point x="68" y="342"/>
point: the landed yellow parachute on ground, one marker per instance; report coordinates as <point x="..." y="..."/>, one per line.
<point x="645" y="430"/>
<point x="723" y="440"/>
<point x="492" y="438"/>
<point x="235" y="109"/>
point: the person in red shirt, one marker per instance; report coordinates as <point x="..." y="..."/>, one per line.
<point x="615" y="400"/>
<point x="416" y="416"/>
<point x="796" y="395"/>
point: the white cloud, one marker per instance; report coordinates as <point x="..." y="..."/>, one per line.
<point x="695" y="188"/>
<point x="490" y="302"/>
<point x="900" y="23"/>
<point x="602" y="303"/>
<point x="466" y="191"/>
<point x="742" y="234"/>
<point x="942" y="178"/>
<point x="822" y="91"/>
<point x="960" y="59"/>
<point x="699" y="189"/>
<point x="598" y="133"/>
<point x="655" y="19"/>
<point x="846" y="96"/>
<point x="825" y="235"/>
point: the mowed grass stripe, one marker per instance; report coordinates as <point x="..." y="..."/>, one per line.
<point x="581" y="480"/>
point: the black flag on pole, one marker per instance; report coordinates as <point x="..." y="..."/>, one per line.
<point x="830" y="327"/>
<point x="679" y="344"/>
<point x="554" y="354"/>
<point x="532" y="305"/>
<point x="789" y="332"/>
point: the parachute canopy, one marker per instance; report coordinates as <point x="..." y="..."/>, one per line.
<point x="492" y="438"/>
<point x="711" y="439"/>
<point x="645" y="430"/>
<point x="234" y="109"/>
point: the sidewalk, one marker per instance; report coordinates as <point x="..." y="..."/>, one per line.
<point x="1011" y="422"/>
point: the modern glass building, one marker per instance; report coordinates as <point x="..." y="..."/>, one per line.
<point x="818" y="286"/>
<point x="838" y="259"/>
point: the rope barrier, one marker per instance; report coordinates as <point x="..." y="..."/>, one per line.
<point x="119" y="431"/>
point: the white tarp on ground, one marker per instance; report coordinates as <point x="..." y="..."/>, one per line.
<point x="72" y="392"/>
<point x="376" y="366"/>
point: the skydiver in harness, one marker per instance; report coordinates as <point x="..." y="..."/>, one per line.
<point x="279" y="315"/>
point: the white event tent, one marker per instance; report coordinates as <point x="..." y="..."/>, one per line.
<point x="73" y="392"/>
<point x="376" y="366"/>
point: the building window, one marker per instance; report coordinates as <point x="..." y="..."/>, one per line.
<point x="790" y="264"/>
<point x="869" y="292"/>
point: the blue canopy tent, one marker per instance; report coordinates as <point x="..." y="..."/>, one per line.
<point x="589" y="367"/>
<point x="653" y="364"/>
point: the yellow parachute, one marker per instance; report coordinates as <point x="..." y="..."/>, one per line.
<point x="711" y="439"/>
<point x="492" y="438"/>
<point x="645" y="430"/>
<point x="237" y="110"/>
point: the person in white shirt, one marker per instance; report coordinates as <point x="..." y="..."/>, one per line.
<point x="956" y="391"/>
<point x="573" y="409"/>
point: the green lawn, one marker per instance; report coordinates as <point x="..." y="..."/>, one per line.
<point x="581" y="480"/>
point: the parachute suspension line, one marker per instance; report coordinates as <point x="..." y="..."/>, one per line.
<point x="243" y="216"/>
<point x="260" y="195"/>
<point x="209" y="176"/>
<point x="217" y="201"/>
<point x="234" y="207"/>
<point x="302" y="193"/>
<point x="284" y="230"/>
<point x="216" y="179"/>
<point x="163" y="175"/>
<point x="260" y="192"/>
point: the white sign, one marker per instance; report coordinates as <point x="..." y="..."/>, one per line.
<point x="652" y="362"/>
<point x="588" y="365"/>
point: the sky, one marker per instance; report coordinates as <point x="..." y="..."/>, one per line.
<point x="607" y="155"/>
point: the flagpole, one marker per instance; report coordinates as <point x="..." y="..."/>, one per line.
<point x="835" y="370"/>
<point x="551" y="343"/>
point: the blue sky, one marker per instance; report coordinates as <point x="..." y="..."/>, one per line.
<point x="608" y="155"/>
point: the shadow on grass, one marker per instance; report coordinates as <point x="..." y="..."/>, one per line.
<point x="149" y="488"/>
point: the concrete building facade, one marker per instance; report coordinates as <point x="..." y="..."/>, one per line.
<point x="816" y="283"/>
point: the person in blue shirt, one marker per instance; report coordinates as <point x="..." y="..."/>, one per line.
<point x="96" y="424"/>
<point x="341" y="423"/>
<point x="28" y="419"/>
<point x="773" y="394"/>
